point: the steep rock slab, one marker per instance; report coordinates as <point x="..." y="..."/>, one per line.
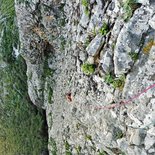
<point x="80" y="122"/>
<point x="37" y="22"/>
<point x="32" y="51"/>
<point x="95" y="45"/>
<point x="130" y="39"/>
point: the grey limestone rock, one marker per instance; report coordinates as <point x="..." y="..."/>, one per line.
<point x="137" y="137"/>
<point x="107" y="61"/>
<point x="95" y="45"/>
<point x="152" y="22"/>
<point x="129" y="40"/>
<point x="149" y="141"/>
<point x="89" y="113"/>
<point x="84" y="19"/>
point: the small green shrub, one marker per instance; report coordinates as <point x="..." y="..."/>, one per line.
<point x="119" y="82"/>
<point x="134" y="56"/>
<point x="115" y="82"/>
<point x="109" y="78"/>
<point x="88" y="69"/>
<point x="104" y="29"/>
<point x="85" y="3"/>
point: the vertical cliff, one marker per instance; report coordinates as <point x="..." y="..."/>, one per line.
<point x="91" y="66"/>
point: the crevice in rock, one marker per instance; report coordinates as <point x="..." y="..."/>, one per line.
<point x="45" y="131"/>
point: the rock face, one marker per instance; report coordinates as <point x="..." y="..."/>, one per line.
<point x="95" y="45"/>
<point x="102" y="113"/>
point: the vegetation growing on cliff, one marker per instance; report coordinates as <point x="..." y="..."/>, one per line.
<point x="115" y="82"/>
<point x="104" y="29"/>
<point x="129" y="6"/>
<point x="21" y="123"/>
<point x="88" y="69"/>
<point x="85" y="4"/>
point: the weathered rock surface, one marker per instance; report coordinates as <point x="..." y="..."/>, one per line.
<point x="84" y="113"/>
<point x="95" y="45"/>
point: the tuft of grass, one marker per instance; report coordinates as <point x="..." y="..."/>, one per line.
<point x="87" y="12"/>
<point x="88" y="69"/>
<point x="119" y="82"/>
<point x="67" y="148"/>
<point x="109" y="79"/>
<point x="134" y="56"/>
<point x="94" y="31"/>
<point x="118" y="134"/>
<point x="88" y="137"/>
<point x="78" y="149"/>
<point x="85" y="3"/>
<point x="102" y="153"/>
<point x="104" y="29"/>
<point x="87" y="42"/>
<point x="115" y="82"/>
<point x="129" y="6"/>
<point x="53" y="145"/>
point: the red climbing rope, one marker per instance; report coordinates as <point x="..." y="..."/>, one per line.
<point x="121" y="103"/>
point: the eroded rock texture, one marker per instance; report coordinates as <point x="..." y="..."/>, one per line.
<point x="57" y="37"/>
